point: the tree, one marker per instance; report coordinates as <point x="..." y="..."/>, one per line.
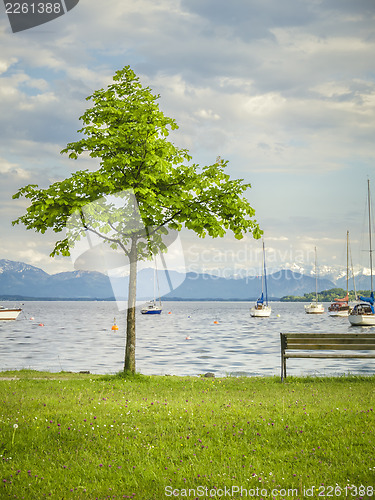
<point x="126" y="130"/>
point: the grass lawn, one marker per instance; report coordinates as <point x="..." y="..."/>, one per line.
<point x="65" y="435"/>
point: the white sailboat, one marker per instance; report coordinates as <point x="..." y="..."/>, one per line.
<point x="152" y="307"/>
<point x="340" y="307"/>
<point x="363" y="314"/>
<point x="261" y="308"/>
<point x="315" y="307"/>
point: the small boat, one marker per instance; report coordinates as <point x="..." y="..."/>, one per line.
<point x="152" y="307"/>
<point x="261" y="308"/>
<point x="340" y="307"/>
<point x="363" y="314"/>
<point x="315" y="307"/>
<point x="9" y="314"/>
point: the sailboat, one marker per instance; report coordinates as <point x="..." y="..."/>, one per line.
<point x="363" y="314"/>
<point x="261" y="308"/>
<point x="315" y="307"/>
<point x="340" y="307"/>
<point x="152" y="307"/>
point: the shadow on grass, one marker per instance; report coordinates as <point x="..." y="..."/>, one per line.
<point x="344" y="378"/>
<point x="129" y="376"/>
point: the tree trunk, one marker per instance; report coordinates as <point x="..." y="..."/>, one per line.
<point x="129" y="365"/>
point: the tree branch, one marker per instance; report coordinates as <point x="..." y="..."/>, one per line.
<point x="106" y="238"/>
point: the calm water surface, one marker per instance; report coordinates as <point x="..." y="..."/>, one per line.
<point x="77" y="336"/>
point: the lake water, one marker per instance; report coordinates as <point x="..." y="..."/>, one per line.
<point x="77" y="336"/>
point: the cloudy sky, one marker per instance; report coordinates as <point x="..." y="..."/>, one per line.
<point x="283" y="90"/>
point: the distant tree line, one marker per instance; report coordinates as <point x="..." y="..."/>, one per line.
<point x="325" y="295"/>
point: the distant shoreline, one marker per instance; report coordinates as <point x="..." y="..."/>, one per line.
<point x="20" y="298"/>
<point x="112" y="299"/>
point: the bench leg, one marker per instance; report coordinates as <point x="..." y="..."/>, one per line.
<point x="283" y="366"/>
<point x="283" y="360"/>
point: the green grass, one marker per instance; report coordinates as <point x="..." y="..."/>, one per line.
<point x="87" y="436"/>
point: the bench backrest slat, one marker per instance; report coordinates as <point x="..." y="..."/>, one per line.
<point x="343" y="341"/>
<point x="331" y="335"/>
<point x="328" y="341"/>
<point x="332" y="346"/>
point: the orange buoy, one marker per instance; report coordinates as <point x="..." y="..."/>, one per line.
<point x="41" y="324"/>
<point x="114" y="327"/>
<point x="169" y="312"/>
<point x="188" y="338"/>
<point x="216" y="322"/>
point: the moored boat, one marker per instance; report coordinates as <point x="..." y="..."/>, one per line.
<point x="363" y="314"/>
<point x="340" y="307"/>
<point x="261" y="308"/>
<point x="315" y="307"/>
<point x="151" y="308"/>
<point x="9" y="314"/>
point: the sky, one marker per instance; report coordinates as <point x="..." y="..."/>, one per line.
<point x="285" y="91"/>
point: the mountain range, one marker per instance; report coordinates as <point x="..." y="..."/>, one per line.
<point x="21" y="280"/>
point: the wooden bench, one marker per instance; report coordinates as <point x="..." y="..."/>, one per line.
<point x="324" y="341"/>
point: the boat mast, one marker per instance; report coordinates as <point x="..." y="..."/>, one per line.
<point x="265" y="273"/>
<point x="369" y="226"/>
<point x="154" y="284"/>
<point x="347" y="263"/>
<point x="352" y="268"/>
<point x="157" y="283"/>
<point x="316" y="281"/>
<point x="263" y="269"/>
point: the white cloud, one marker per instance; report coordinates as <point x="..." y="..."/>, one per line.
<point x="279" y="238"/>
<point x="332" y="89"/>
<point x="265" y="105"/>
<point x="5" y="65"/>
<point x="38" y="101"/>
<point x="13" y="169"/>
<point x="207" y="114"/>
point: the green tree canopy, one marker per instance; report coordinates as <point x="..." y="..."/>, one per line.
<point x="126" y="130"/>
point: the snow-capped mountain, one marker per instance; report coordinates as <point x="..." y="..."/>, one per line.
<point x="18" y="278"/>
<point x="24" y="280"/>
